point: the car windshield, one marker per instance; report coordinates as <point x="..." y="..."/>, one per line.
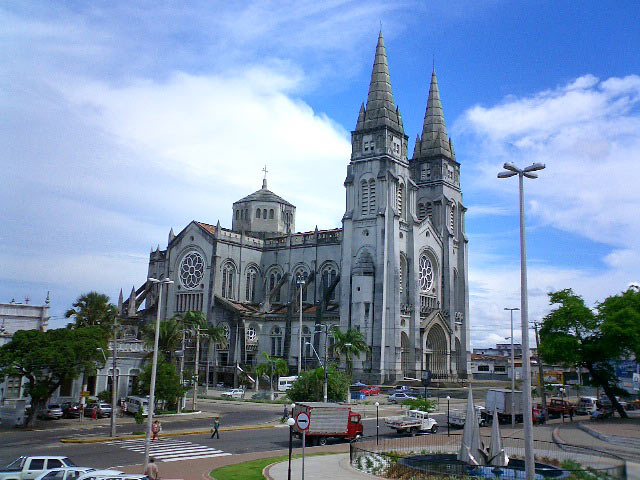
<point x="68" y="462"/>
<point x="105" y="405"/>
<point x="54" y="406"/>
<point x="16" y="465"/>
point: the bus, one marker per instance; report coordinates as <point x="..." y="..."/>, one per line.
<point x="284" y="383"/>
<point x="136" y="403"/>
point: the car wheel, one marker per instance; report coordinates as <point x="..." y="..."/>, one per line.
<point x="322" y="441"/>
<point x="434" y="429"/>
<point x="413" y="431"/>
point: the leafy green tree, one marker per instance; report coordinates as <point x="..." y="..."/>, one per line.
<point x="168" y="387"/>
<point x="620" y="316"/>
<point x="272" y="367"/>
<point x="169" y="336"/>
<point x="92" y="310"/>
<point x="48" y="359"/>
<point x="349" y="343"/>
<point x="572" y="334"/>
<point x="308" y="386"/>
<point x="422" y="404"/>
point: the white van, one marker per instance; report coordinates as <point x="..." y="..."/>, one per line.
<point x="134" y="404"/>
<point x="284" y="383"/>
<point x="586" y="405"/>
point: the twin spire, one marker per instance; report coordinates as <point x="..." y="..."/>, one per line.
<point x="381" y="110"/>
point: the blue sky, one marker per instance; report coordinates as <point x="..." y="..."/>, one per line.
<point x="122" y="120"/>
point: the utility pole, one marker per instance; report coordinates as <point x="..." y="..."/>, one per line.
<point x="543" y="394"/>
<point x="114" y="384"/>
<point x="513" y="374"/>
<point x="196" y="372"/>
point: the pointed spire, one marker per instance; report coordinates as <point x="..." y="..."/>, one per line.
<point x="361" y="115"/>
<point x="47" y="300"/>
<point x="131" y="311"/>
<point x="380" y="109"/>
<point x="171" y="235"/>
<point x="120" y="302"/>
<point x="434" y="140"/>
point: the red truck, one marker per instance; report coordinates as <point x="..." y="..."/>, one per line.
<point x="328" y="420"/>
<point x="558" y="406"/>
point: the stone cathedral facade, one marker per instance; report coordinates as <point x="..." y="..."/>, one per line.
<point x="396" y="270"/>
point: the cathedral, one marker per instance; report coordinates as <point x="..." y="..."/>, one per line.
<point x="396" y="270"/>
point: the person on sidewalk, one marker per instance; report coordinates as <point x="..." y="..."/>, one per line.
<point x="285" y="413"/>
<point x="156" y="428"/>
<point x="94" y="412"/>
<point x="152" y="469"/>
<point x="215" y="427"/>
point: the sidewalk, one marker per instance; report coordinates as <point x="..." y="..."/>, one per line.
<point x="335" y="467"/>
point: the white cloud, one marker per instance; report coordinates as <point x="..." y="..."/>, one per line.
<point x="588" y="135"/>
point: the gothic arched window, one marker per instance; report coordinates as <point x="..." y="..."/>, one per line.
<point x="364" y="197"/>
<point x="329" y="274"/>
<point x="264" y="213"/>
<point x="228" y="274"/>
<point x="452" y="216"/>
<point x="403" y="277"/>
<point x="276" y="342"/>
<point x="191" y="270"/>
<point x="425" y="273"/>
<point x="274" y="278"/>
<point x="400" y="199"/>
<point x="250" y="287"/>
<point x="271" y="214"/>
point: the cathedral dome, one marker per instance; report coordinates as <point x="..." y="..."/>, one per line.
<point x="263" y="212"/>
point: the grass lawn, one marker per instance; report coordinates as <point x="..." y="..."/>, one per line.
<point x="252" y="470"/>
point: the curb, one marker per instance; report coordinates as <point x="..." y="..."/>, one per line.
<point x="594" y="433"/>
<point x="172" y="434"/>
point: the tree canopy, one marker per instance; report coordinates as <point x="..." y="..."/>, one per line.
<point x="349" y="343"/>
<point x="92" y="309"/>
<point x="168" y="387"/>
<point x="573" y="334"/>
<point x="308" y="386"/>
<point x="48" y="359"/>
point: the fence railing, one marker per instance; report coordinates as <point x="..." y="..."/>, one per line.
<point x="433" y="456"/>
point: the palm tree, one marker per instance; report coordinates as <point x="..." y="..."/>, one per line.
<point x="169" y="338"/>
<point x="92" y="309"/>
<point x="350" y="343"/>
<point x="274" y="366"/>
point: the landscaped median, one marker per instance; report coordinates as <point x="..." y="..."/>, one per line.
<point x="253" y="469"/>
<point x="100" y="439"/>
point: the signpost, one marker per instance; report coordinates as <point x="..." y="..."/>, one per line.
<point x="302" y="420"/>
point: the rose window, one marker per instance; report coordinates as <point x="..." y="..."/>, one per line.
<point x="191" y="270"/>
<point x="252" y="335"/>
<point x="425" y="272"/>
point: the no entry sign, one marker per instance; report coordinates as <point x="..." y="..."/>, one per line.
<point x="302" y="420"/>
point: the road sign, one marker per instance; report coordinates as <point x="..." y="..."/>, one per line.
<point x="85" y="394"/>
<point x="302" y="420"/>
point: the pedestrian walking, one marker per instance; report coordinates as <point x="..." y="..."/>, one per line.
<point x="94" y="412"/>
<point x="156" y="428"/>
<point x="214" y="428"/>
<point x="285" y="413"/>
<point x="151" y="471"/>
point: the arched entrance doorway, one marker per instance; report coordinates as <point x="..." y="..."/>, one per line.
<point x="436" y="352"/>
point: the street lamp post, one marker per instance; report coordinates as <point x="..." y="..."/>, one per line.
<point x="448" y="423"/>
<point x="324" y="328"/>
<point x="291" y="422"/>
<point x="510" y="171"/>
<point x="300" y="282"/>
<point x="513" y="374"/>
<point x="377" y="422"/>
<point x="154" y="366"/>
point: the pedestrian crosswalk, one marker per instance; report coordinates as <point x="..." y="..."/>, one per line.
<point x="170" y="450"/>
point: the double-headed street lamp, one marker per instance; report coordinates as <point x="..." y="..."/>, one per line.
<point x="513" y="374"/>
<point x="154" y="365"/>
<point x="510" y="171"/>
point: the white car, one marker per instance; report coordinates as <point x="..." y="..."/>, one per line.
<point x="233" y="393"/>
<point x="99" y="474"/>
<point x="66" y="473"/>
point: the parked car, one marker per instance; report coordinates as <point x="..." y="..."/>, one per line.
<point x="559" y="407"/>
<point x="586" y="405"/>
<point x="371" y="390"/>
<point x="53" y="411"/>
<point x="233" y="393"/>
<point x="400" y="397"/>
<point x="104" y="410"/>
<point x="26" y="468"/>
<point x="65" y="473"/>
<point x="99" y="475"/>
<point x="71" y="409"/>
<point x="261" y="396"/>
